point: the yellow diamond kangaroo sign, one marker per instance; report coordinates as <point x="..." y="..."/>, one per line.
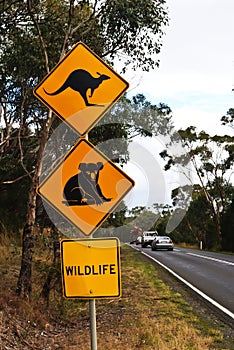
<point x="81" y="88"/>
<point x="91" y="268"/>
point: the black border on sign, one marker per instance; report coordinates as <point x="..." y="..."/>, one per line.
<point x="118" y="261"/>
<point x="108" y="161"/>
<point x="104" y="112"/>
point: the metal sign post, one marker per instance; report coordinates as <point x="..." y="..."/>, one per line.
<point x="93" y="328"/>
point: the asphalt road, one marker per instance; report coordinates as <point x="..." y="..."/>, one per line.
<point x="211" y="273"/>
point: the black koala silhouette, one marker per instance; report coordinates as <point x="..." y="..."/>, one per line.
<point x="81" y="81"/>
<point x="83" y="188"/>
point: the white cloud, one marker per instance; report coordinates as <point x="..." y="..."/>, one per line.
<point x="186" y="116"/>
<point x="196" y="73"/>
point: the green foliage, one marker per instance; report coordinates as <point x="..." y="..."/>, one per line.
<point x="133" y="28"/>
<point x="14" y="182"/>
<point x="129" y="28"/>
<point x="129" y="118"/>
<point x="228" y="119"/>
<point x="227" y="224"/>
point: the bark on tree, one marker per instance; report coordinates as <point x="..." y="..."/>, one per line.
<point x="52" y="275"/>
<point x="24" y="285"/>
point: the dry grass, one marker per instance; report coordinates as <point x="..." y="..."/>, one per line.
<point x="150" y="315"/>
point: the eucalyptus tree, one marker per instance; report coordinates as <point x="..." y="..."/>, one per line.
<point x="35" y="34"/>
<point x="212" y="160"/>
<point x="197" y="224"/>
<point x="228" y="119"/>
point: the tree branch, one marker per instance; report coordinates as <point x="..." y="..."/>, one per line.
<point x="29" y="4"/>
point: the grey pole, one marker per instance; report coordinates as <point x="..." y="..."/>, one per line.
<point x="92" y="315"/>
<point x="93" y="330"/>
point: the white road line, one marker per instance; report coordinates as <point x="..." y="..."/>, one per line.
<point x="214" y="259"/>
<point x="203" y="295"/>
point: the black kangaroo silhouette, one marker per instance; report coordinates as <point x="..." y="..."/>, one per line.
<point x="80" y="80"/>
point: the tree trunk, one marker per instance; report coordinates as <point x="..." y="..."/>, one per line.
<point x="24" y="285"/>
<point x="218" y="227"/>
<point x="52" y="275"/>
<point x="214" y="211"/>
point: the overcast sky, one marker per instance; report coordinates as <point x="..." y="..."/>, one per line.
<point x="195" y="78"/>
<point x="196" y="73"/>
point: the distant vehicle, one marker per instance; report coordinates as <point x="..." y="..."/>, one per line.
<point x="138" y="240"/>
<point x="147" y="238"/>
<point x="162" y="242"/>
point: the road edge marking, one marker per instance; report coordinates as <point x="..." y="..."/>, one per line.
<point x="198" y="291"/>
<point x="211" y="258"/>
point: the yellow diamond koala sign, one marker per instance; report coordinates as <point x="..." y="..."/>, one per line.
<point x="91" y="268"/>
<point x="85" y="187"/>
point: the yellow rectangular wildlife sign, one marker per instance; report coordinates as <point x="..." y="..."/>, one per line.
<point x="91" y="268"/>
<point x="85" y="187"/>
<point x="81" y="88"/>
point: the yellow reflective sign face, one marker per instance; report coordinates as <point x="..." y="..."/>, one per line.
<point x="85" y="187"/>
<point x="81" y="88"/>
<point x="91" y="268"/>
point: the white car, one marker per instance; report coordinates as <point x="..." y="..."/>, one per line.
<point x="147" y="238"/>
<point x="162" y="242"/>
